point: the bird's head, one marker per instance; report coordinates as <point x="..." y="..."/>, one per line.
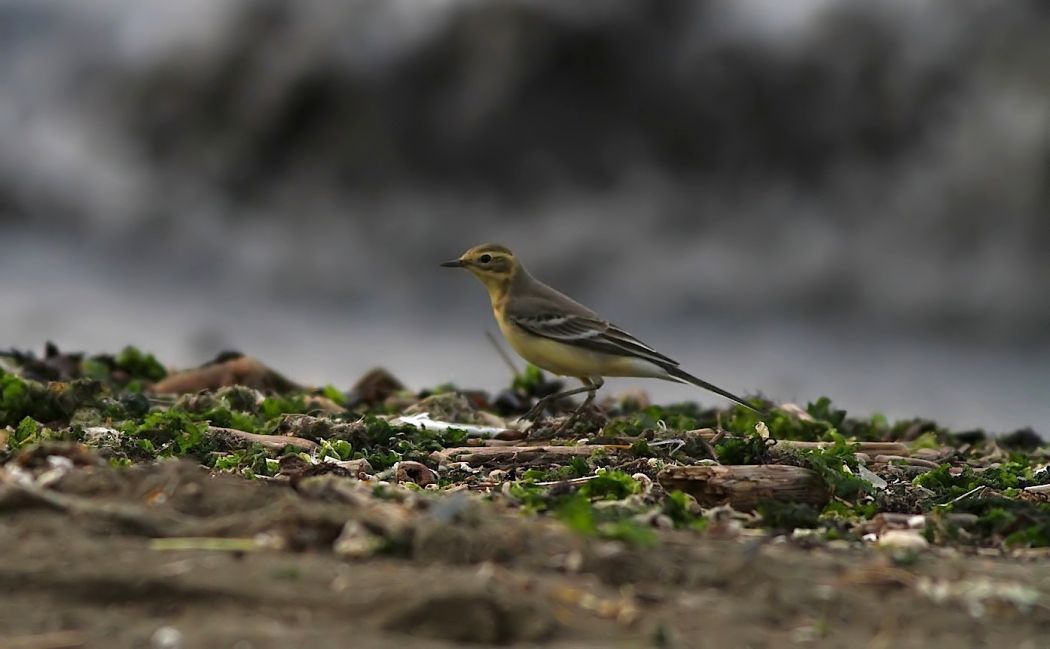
<point x="493" y="264"/>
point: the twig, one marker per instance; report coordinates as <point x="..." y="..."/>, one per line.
<point x="709" y="448"/>
<point x="518" y="455"/>
<point x="913" y="461"/>
<point x="678" y="444"/>
<point x="878" y="448"/>
<point x="965" y="495"/>
<point x="231" y="438"/>
<point x="568" y="481"/>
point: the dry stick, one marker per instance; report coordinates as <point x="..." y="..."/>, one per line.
<point x="479" y="455"/>
<point x="501" y="442"/>
<point x="745" y="486"/>
<point x="913" y="461"/>
<point x="878" y="448"/>
<point x="968" y="493"/>
<point x="568" y="481"/>
<point x="709" y="448"/>
<point x="232" y="438"/>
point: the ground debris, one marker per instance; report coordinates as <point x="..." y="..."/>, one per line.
<point x="231" y="439"/>
<point x="483" y="616"/>
<point x="982" y="596"/>
<point x="226" y="371"/>
<point x="628" y="524"/>
<point x="373" y="388"/>
<point x="745" y="487"/>
<point x="518" y="455"/>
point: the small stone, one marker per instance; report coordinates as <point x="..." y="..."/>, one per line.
<point x="166" y="637"/>
<point x="374" y="387"/>
<point x="917" y="522"/>
<point x="447" y="406"/>
<point x="903" y="540"/>
<point x="422" y="475"/>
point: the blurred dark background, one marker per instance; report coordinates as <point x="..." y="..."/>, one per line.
<point x="813" y="197"/>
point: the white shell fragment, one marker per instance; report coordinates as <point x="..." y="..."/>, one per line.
<point x="423" y="420"/>
<point x="871" y="477"/>
<point x="903" y="540"/>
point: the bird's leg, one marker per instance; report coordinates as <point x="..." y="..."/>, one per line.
<point x="594" y="384"/>
<point x="537" y="410"/>
<point x="591" y="386"/>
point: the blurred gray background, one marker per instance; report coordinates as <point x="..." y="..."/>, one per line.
<point x="848" y="198"/>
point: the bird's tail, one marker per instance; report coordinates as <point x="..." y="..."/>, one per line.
<point x="679" y="374"/>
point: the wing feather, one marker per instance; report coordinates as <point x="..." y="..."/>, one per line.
<point x="589" y="333"/>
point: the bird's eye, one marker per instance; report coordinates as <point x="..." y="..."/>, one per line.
<point x="485" y="259"/>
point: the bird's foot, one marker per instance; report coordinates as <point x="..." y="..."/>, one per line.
<point x="592" y="417"/>
<point x="566" y="425"/>
<point x="536" y="411"/>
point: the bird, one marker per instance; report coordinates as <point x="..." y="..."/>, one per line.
<point x="556" y="333"/>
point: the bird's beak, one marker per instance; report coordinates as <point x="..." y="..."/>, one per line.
<point x="455" y="263"/>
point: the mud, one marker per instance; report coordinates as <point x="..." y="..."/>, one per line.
<point x="466" y="572"/>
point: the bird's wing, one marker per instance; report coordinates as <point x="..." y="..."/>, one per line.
<point x="541" y="318"/>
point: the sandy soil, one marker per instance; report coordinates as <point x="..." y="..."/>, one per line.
<point x="81" y="567"/>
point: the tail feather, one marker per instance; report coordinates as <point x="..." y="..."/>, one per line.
<point x="681" y="375"/>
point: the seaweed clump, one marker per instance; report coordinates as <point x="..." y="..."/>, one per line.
<point x="607" y="479"/>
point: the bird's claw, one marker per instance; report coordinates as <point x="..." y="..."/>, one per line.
<point x="535" y="412"/>
<point x="565" y="425"/>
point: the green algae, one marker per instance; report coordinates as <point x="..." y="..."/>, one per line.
<point x="596" y="495"/>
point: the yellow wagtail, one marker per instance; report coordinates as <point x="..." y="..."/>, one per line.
<point x="558" y="334"/>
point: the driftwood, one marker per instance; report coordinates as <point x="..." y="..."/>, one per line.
<point x="912" y="461"/>
<point x="745" y="486"/>
<point x="482" y="455"/>
<point x="233" y="439"/>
